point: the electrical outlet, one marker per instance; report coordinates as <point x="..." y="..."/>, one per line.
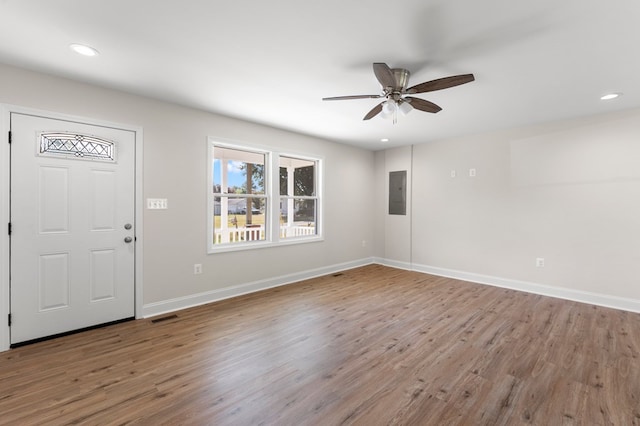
<point x="453" y="173"/>
<point x="472" y="172"/>
<point x="197" y="268"/>
<point x="539" y="262"/>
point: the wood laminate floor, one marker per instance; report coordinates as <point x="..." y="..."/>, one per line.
<point x="371" y="346"/>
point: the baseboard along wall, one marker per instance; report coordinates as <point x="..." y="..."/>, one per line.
<point x="599" y="299"/>
<point x="171" y="305"/>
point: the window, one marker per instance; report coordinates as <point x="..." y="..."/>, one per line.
<point x="247" y="206"/>
<point x="298" y="199"/>
<point x="74" y="145"/>
<point x="239" y="199"/>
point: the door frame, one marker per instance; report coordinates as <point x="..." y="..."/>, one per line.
<point x="5" y="198"/>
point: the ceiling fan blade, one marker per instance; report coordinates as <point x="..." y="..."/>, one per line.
<point x="384" y="75"/>
<point x="342" y="98"/>
<point x="375" y="111"/>
<point x="441" y="83"/>
<point x="422" y="105"/>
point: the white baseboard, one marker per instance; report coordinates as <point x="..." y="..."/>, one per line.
<point x="599" y="299"/>
<point x="393" y="263"/>
<point x="171" y="305"/>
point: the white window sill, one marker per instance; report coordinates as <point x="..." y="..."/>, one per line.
<point x="251" y="245"/>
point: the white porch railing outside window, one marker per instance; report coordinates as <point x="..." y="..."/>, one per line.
<point x="242" y="234"/>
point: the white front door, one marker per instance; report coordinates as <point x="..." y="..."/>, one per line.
<point x="72" y="225"/>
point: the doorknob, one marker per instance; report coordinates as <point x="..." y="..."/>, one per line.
<point x="127" y="226"/>
<point x="128" y="239"/>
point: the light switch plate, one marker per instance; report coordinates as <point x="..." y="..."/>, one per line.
<point x="157" y="203"/>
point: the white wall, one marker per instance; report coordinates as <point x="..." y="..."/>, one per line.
<point x="175" y="165"/>
<point x="395" y="231"/>
<point x="568" y="192"/>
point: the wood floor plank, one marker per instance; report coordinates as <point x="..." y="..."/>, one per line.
<point x="370" y="346"/>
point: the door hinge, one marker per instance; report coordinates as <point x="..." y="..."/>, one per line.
<point x="9" y="320"/>
<point x="9" y="136"/>
<point x="9" y="228"/>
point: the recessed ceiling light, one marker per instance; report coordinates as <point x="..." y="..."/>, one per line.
<point x="610" y="96"/>
<point x="384" y="140"/>
<point x="83" y="49"/>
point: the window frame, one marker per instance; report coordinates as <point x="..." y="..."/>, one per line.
<point x="290" y="198"/>
<point x="271" y="195"/>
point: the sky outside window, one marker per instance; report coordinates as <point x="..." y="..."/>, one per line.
<point x="235" y="176"/>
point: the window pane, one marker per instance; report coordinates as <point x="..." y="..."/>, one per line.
<point x="297" y="177"/>
<point x="238" y="172"/>
<point x="303" y="181"/>
<point x="217" y="180"/>
<point x="284" y="176"/>
<point x="305" y="211"/>
<point x="240" y="224"/>
<point x="238" y="205"/>
<point x="297" y="218"/>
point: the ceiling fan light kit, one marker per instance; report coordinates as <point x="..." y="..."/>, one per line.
<point x="405" y="108"/>
<point x="389" y="109"/>
<point x="394" y="83"/>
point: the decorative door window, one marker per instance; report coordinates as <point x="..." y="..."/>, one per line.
<point x="76" y="146"/>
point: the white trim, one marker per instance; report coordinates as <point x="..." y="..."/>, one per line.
<point x="252" y="245"/>
<point x="393" y="263"/>
<point x="171" y="305"/>
<point x="139" y="215"/>
<point x="177" y="304"/>
<point x="209" y="207"/>
<point x="599" y="299"/>
<point x="4" y="220"/>
<point x="5" y="189"/>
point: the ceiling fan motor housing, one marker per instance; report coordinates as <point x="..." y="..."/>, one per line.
<point x="401" y="77"/>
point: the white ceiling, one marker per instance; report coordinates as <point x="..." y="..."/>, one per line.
<point x="271" y="61"/>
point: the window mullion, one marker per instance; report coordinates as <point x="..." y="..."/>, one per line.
<point x="224" y="201"/>
<point x="274" y="196"/>
<point x="290" y="190"/>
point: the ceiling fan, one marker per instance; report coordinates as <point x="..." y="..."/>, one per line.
<point x="394" y="83"/>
